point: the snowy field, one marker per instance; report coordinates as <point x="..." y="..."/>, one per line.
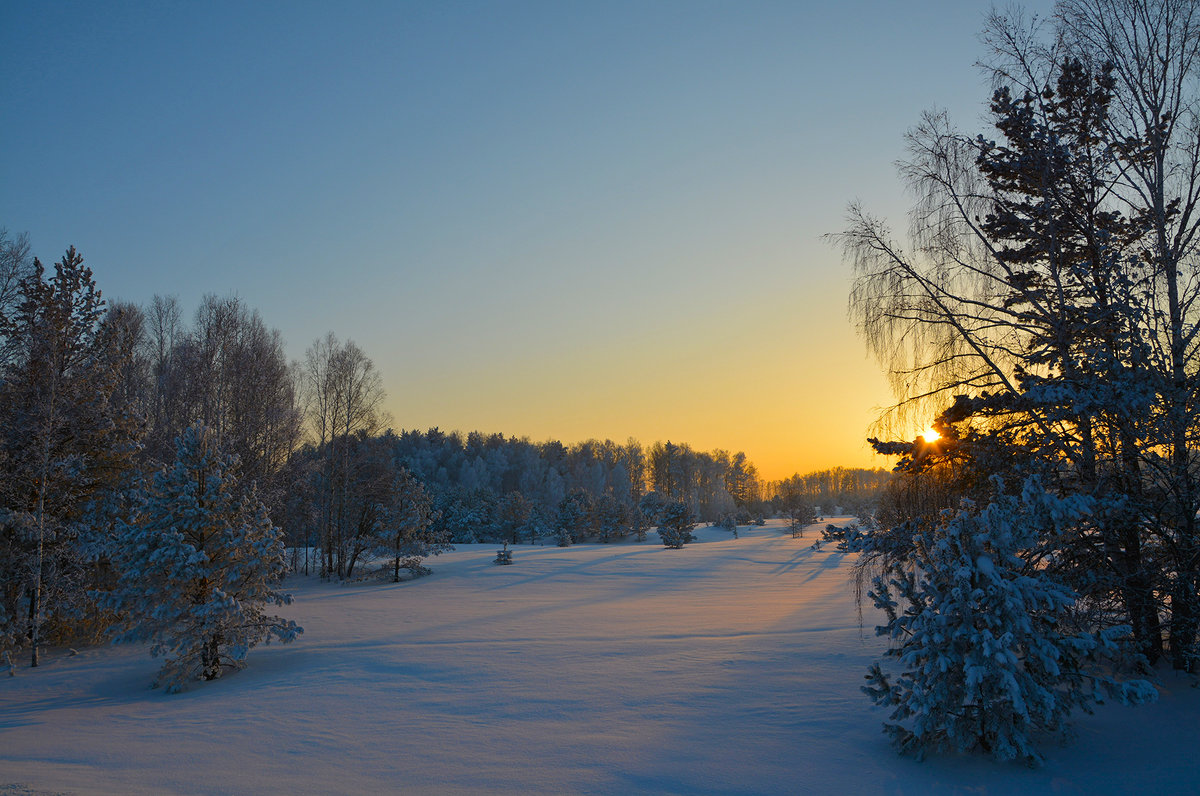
<point x="731" y="666"/>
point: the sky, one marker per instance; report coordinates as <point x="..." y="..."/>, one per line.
<point x="560" y="220"/>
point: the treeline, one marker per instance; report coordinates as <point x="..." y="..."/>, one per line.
<point x="492" y="488"/>
<point x="114" y="417"/>
<point x="313" y="436"/>
<point x="846" y="490"/>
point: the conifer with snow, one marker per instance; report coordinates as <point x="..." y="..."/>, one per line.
<point x="978" y="625"/>
<point x="63" y="443"/>
<point x="198" y="567"/>
<point x="675" y="525"/>
<point x="405" y="533"/>
<point x="574" y="512"/>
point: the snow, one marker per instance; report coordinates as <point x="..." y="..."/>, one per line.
<point x="730" y="666"/>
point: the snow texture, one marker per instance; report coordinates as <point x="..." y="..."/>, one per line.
<point x="730" y="666"/>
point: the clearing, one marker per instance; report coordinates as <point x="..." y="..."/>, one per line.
<point x="730" y="666"/>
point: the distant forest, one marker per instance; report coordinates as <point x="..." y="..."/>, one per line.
<point x="101" y="401"/>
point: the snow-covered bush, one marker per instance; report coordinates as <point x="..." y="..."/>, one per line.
<point x="675" y="524"/>
<point x="198" y="566"/>
<point x="976" y="622"/>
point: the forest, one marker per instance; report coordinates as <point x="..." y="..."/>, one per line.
<point x="107" y="407"/>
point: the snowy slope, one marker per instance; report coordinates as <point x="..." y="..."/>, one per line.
<point x="731" y="666"/>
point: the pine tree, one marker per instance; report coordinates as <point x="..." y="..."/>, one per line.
<point x="515" y="511"/>
<point x="198" y="567"/>
<point x="405" y="534"/>
<point x="62" y="440"/>
<point x="675" y="525"/>
<point x="574" y="511"/>
<point x="980" y="632"/>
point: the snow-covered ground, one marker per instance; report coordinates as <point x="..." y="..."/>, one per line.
<point x="731" y="666"/>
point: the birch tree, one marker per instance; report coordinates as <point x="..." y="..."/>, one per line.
<point x="343" y="396"/>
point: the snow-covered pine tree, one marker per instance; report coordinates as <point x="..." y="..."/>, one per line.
<point x="62" y="443"/>
<point x="675" y="525"/>
<point x="198" y="567"/>
<point x="638" y="524"/>
<point x="408" y="537"/>
<point x="572" y="518"/>
<point x="514" y="513"/>
<point x="611" y="518"/>
<point x="651" y="505"/>
<point x="979" y="632"/>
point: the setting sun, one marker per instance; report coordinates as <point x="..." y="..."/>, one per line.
<point x="930" y="435"/>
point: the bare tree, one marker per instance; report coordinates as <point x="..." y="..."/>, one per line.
<point x="16" y="264"/>
<point x="343" y="396"/>
<point x="230" y="372"/>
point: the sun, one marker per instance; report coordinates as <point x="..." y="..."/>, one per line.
<point x="930" y="435"/>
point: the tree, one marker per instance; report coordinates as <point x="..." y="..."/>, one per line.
<point x="799" y="515"/>
<point x="16" y="265"/>
<point x="409" y="521"/>
<point x="230" y="372"/>
<point x="611" y="517"/>
<point x="515" y="511"/>
<point x="364" y="502"/>
<point x="167" y="412"/>
<point x="62" y="441"/>
<point x="854" y="489"/>
<point x="227" y="370"/>
<point x="390" y="514"/>
<point x="675" y="525"/>
<point x="1047" y="303"/>
<point x="198" y="566"/>
<point x="1153" y="47"/>
<point x="343" y="394"/>
<point x="652" y="505"/>
<point x="978" y="626"/>
<point x="741" y="480"/>
<point x="639" y="524"/>
<point x="573" y="519"/>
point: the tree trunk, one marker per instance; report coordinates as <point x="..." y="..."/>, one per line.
<point x="210" y="658"/>
<point x="35" y="633"/>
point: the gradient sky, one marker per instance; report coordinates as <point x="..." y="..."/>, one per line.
<point x="557" y="220"/>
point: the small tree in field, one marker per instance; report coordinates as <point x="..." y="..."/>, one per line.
<point x="409" y="519"/>
<point x="800" y="514"/>
<point x="675" y="525"/>
<point x="198" y="567"/>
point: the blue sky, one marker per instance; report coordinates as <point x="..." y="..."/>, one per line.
<point x="557" y="219"/>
